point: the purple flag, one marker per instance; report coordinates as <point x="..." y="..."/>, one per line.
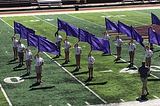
<point x="24" y="32"/>
<point x="71" y="30"/>
<point x="17" y="27"/>
<point x="154" y="37"/>
<point x="137" y="36"/>
<point x="85" y="36"/>
<point x="32" y="40"/>
<point x="155" y="19"/>
<point x="48" y="46"/>
<point x="100" y="44"/>
<point x="124" y="29"/>
<point x="110" y="25"/>
<point x="62" y="25"/>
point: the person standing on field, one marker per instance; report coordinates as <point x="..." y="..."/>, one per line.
<point x="144" y="72"/>
<point x="91" y="62"/>
<point x="132" y="48"/>
<point x="148" y="56"/>
<point x="15" y="47"/>
<point x="118" y="46"/>
<point x="66" y="50"/>
<point x="21" y="49"/>
<point x="78" y="51"/>
<point x="38" y="67"/>
<point x="58" y="42"/>
<point x="28" y="61"/>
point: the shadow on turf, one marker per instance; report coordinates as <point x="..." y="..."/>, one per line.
<point x="99" y="83"/>
<point x="19" y="69"/>
<point x="41" y="88"/>
<point x="85" y="72"/>
<point x="73" y="65"/>
<point x="154" y="51"/>
<point x="28" y="77"/>
<point x="153" y="79"/>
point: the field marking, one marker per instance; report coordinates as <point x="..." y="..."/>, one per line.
<point x="69" y="104"/>
<point x="155" y="96"/>
<point x="122" y="100"/>
<point x="5" y="95"/>
<point x="126" y="19"/>
<point x="69" y="73"/>
<point x="87" y="103"/>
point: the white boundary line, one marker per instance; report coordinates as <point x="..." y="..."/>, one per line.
<point x="3" y="91"/>
<point x="67" y="70"/>
<point x="5" y="95"/>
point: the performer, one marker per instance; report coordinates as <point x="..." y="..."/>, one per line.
<point x="58" y="42"/>
<point x="38" y="67"/>
<point x="66" y="50"/>
<point x="151" y="44"/>
<point x="119" y="48"/>
<point x="21" y="49"/>
<point x="15" y="47"/>
<point x="28" y="61"/>
<point x="132" y="48"/>
<point x="149" y="54"/>
<point x="106" y="36"/>
<point x="78" y="51"/>
<point x="91" y="62"/>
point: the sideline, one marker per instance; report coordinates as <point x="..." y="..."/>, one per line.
<point x="5" y="95"/>
<point x="3" y="91"/>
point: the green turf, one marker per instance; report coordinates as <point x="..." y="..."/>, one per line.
<point x="111" y="86"/>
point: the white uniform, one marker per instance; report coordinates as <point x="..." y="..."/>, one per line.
<point x="39" y="61"/>
<point x="106" y="37"/>
<point x="149" y="53"/>
<point x="119" y="42"/>
<point x="21" y="48"/>
<point x="78" y="50"/>
<point x="58" y="38"/>
<point x="91" y="60"/>
<point x="132" y="47"/>
<point x="15" y="43"/>
<point x="28" y="55"/>
<point x="67" y="44"/>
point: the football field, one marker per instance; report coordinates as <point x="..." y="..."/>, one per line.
<point x="62" y="86"/>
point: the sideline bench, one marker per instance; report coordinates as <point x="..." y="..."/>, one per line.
<point x="49" y="2"/>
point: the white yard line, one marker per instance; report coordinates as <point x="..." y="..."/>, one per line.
<point x="122" y="100"/>
<point x="69" y="104"/>
<point x="87" y="103"/>
<point x="126" y="19"/>
<point x="3" y="91"/>
<point x="5" y="95"/>
<point x="155" y="96"/>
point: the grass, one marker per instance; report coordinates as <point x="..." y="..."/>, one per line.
<point x="59" y="86"/>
